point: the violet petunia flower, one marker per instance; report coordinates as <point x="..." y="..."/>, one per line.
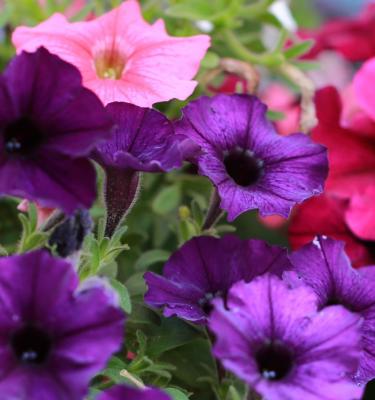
<point x="144" y="140"/>
<point x="54" y="337"/>
<point x="205" y="268"/>
<point x="273" y="338"/>
<point x="121" y="56"/>
<point x="251" y="166"/>
<point x="324" y="266"/>
<point x="122" y="392"/>
<point x="49" y="123"/>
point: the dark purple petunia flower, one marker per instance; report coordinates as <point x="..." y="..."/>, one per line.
<point x="324" y="266"/>
<point x="252" y="166"/>
<point x="274" y="339"/>
<point x="121" y="392"/>
<point x="144" y="140"/>
<point x="53" y="337"/>
<point x="49" y="123"/>
<point x="205" y="268"/>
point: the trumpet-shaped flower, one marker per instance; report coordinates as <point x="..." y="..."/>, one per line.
<point x="49" y="123"/>
<point x="55" y="336"/>
<point x="273" y="338"/>
<point x="122" y="57"/>
<point x="205" y="268"/>
<point x="251" y="165"/>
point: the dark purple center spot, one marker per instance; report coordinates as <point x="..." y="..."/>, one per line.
<point x="274" y="361"/>
<point x="31" y="345"/>
<point x="22" y="137"/>
<point x="206" y="302"/>
<point x="243" y="167"/>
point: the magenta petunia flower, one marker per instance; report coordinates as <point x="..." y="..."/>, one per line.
<point x="143" y="140"/>
<point x="49" y="123"/>
<point x="205" y="268"/>
<point x="120" y="56"/>
<point x="54" y="337"/>
<point x="324" y="266"/>
<point x="251" y="165"/>
<point x="274" y="339"/>
<point x="121" y="392"/>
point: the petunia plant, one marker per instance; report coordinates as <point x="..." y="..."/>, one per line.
<point x="186" y="205"/>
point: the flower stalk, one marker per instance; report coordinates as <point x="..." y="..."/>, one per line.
<point x="214" y="211"/>
<point x="120" y="193"/>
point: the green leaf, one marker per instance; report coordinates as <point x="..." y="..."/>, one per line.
<point x="299" y="49"/>
<point x="196" y="353"/>
<point x="233" y="394"/>
<point x="123" y="292"/>
<point x="170" y="334"/>
<point x="176" y="394"/>
<point x="306" y="65"/>
<point x="167" y="200"/>
<point x="151" y="257"/>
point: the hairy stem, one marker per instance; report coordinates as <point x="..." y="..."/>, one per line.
<point x="214" y="211"/>
<point x="241" y="51"/>
<point x="120" y="193"/>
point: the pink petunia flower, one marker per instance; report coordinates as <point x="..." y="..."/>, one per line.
<point x="122" y="57"/>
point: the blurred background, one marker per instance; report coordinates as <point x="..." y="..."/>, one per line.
<point x="162" y="218"/>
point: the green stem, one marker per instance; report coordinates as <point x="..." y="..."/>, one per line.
<point x="266" y="59"/>
<point x="214" y="211"/>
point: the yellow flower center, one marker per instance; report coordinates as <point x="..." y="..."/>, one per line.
<point x="109" y="64"/>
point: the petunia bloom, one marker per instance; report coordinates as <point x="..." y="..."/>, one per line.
<point x="122" y="392"/>
<point x="49" y="123"/>
<point x="364" y="96"/>
<point x="143" y="140"/>
<point x="274" y="339"/>
<point x="351" y="37"/>
<point x="54" y="336"/>
<point x="251" y="166"/>
<point x="205" y="268"/>
<point x="351" y="156"/>
<point x="324" y="266"/>
<point x="120" y="56"/>
<point x="326" y="215"/>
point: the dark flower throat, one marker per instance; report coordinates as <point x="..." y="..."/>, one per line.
<point x="274" y="361"/>
<point x="31" y="345"/>
<point x="21" y="137"/>
<point x="243" y="167"/>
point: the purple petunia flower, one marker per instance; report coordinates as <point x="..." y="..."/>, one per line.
<point x="54" y="337"/>
<point x="274" y="339"/>
<point x="144" y="140"/>
<point x="252" y="166"/>
<point x="324" y="266"/>
<point x="121" y="392"/>
<point x="205" y="268"/>
<point x="49" y="123"/>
